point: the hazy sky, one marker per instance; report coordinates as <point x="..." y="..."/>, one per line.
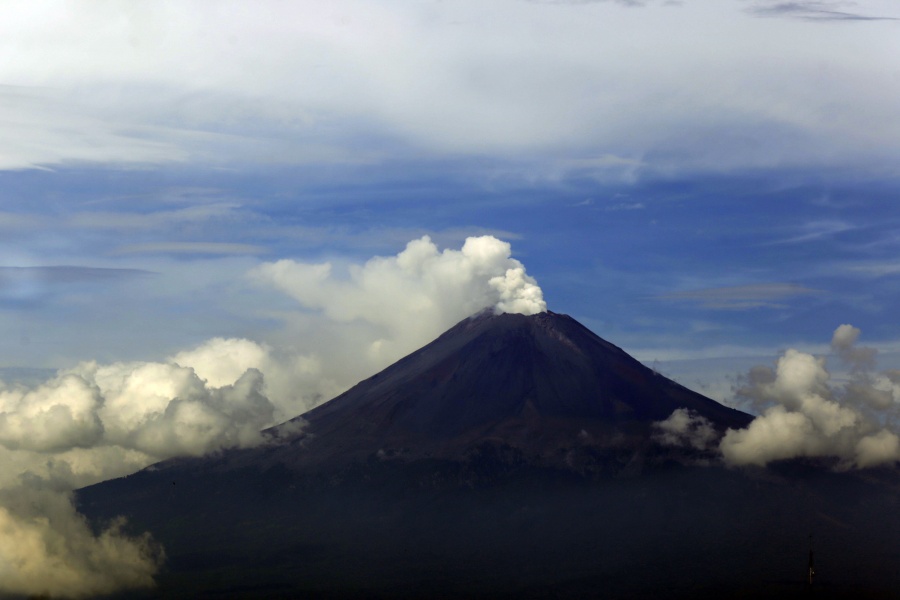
<point x="704" y="178"/>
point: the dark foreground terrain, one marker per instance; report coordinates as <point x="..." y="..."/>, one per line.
<point x="384" y="531"/>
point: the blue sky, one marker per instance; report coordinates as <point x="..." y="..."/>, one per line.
<point x="693" y="180"/>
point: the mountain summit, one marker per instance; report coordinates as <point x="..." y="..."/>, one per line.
<point x="534" y="382"/>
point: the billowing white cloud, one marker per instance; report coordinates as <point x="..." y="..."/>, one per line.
<point x="399" y="303"/>
<point x="61" y="414"/>
<point x="806" y="413"/>
<point x="221" y="361"/>
<point x="295" y="380"/>
<point x="165" y="410"/>
<point x="91" y="423"/>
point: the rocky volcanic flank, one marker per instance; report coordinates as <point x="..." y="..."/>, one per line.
<point x="514" y="456"/>
<point x="535" y="383"/>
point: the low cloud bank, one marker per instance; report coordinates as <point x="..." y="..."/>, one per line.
<point x="805" y="412"/>
<point x="47" y="548"/>
<point x="98" y="421"/>
<point x="91" y="423"/>
<point x="159" y="409"/>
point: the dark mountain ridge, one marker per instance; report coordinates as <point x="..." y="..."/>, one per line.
<point x="536" y="383"/>
<point x="489" y="368"/>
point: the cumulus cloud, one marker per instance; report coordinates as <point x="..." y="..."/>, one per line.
<point x="295" y="379"/>
<point x="61" y="414"/>
<point x="94" y="422"/>
<point x="165" y="410"/>
<point x="805" y="413"/>
<point x="221" y="361"/>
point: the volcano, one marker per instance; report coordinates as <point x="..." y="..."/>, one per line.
<point x="535" y="383"/>
<point x="513" y="456"/>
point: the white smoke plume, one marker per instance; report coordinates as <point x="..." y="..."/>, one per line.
<point x="98" y="421"/>
<point x="406" y="300"/>
<point x="807" y="414"/>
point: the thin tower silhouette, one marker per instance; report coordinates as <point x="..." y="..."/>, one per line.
<point x="811" y="568"/>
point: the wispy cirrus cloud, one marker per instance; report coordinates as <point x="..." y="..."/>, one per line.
<point x="151" y="220"/>
<point x="813" y="10"/>
<point x="873" y="269"/>
<point x="355" y="85"/>
<point x="18" y="221"/>
<point x="577" y="2"/>
<point x="742" y="297"/>
<point x="817" y="230"/>
<point x="67" y="274"/>
<point x="26" y="287"/>
<point x="189" y="248"/>
<point x="44" y="126"/>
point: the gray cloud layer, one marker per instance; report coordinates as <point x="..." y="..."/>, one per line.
<point x="28" y="286"/>
<point x="742" y="297"/>
<point x="360" y="83"/>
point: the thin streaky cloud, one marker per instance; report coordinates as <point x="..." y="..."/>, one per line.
<point x="637" y="3"/>
<point x="813" y="11"/>
<point x="12" y="221"/>
<point x="625" y="206"/>
<point x="68" y="274"/>
<point x="130" y="220"/>
<point x="29" y="287"/>
<point x="742" y="297"/>
<point x="815" y="230"/>
<point x="875" y="270"/>
<point x="189" y="248"/>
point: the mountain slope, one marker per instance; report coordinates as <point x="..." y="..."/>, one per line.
<point x="533" y="382"/>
